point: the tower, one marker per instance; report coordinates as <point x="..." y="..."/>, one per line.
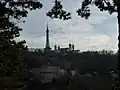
<point x="70" y="46"/>
<point x="58" y="47"/>
<point x="55" y="47"/>
<point x="47" y="47"/>
<point x="73" y="47"/>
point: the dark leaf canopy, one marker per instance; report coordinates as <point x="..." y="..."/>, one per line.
<point x="103" y="5"/>
<point x="12" y="52"/>
<point x="11" y="10"/>
<point x="58" y="12"/>
<point x="84" y="11"/>
<point x="18" y="8"/>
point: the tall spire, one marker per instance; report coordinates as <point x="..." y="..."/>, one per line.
<point x="47" y="39"/>
<point x="47" y="27"/>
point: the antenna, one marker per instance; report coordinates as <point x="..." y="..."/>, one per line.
<point x="47" y="25"/>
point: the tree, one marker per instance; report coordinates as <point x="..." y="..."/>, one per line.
<point x="12" y="64"/>
<point x="58" y="12"/>
<point x="104" y="5"/>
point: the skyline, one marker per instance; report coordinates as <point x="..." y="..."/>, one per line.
<point x="98" y="32"/>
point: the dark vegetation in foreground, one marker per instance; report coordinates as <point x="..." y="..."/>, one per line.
<point x="61" y="83"/>
<point x="74" y="83"/>
<point x="100" y="62"/>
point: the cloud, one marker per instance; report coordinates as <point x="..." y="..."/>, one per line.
<point x="98" y="32"/>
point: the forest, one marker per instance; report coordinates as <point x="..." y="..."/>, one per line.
<point x="83" y="62"/>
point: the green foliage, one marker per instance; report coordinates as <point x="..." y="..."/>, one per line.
<point x="58" y="12"/>
<point x="84" y="11"/>
<point x="103" y="5"/>
<point x="18" y="8"/>
<point x="12" y="61"/>
<point x="12" y="64"/>
<point x="84" y="62"/>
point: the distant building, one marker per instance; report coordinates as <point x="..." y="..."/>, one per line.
<point x="57" y="48"/>
<point x="47" y="48"/>
<point x="88" y="74"/>
<point x="66" y="50"/>
<point x="73" y="72"/>
<point x="46" y="74"/>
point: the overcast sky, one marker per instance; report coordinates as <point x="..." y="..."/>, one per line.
<point x="99" y="32"/>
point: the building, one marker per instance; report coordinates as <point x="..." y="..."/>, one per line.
<point x="45" y="74"/>
<point x="47" y="48"/>
<point x="66" y="50"/>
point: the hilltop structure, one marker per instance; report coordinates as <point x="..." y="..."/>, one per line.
<point x="47" y="47"/>
<point x="58" y="48"/>
<point x="70" y="48"/>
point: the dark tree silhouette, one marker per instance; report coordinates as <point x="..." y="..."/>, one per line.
<point x="84" y="62"/>
<point x="58" y="12"/>
<point x="12" y="65"/>
<point x="97" y="63"/>
<point x="104" y="5"/>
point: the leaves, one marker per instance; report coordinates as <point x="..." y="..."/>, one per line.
<point x="58" y="12"/>
<point x="18" y="8"/>
<point x="12" y="62"/>
<point x="103" y="5"/>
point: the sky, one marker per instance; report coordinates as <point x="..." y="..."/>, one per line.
<point x="97" y="33"/>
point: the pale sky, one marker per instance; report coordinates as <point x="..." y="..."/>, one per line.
<point x="96" y="33"/>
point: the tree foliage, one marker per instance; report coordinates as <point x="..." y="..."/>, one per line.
<point x="12" y="52"/>
<point x="58" y="12"/>
<point x="103" y="5"/>
<point x="84" y="11"/>
<point x="84" y="62"/>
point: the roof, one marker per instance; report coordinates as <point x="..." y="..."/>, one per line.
<point x="46" y="69"/>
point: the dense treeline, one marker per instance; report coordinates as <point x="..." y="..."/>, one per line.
<point x="84" y="62"/>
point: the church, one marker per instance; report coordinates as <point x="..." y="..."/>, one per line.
<point x="47" y="48"/>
